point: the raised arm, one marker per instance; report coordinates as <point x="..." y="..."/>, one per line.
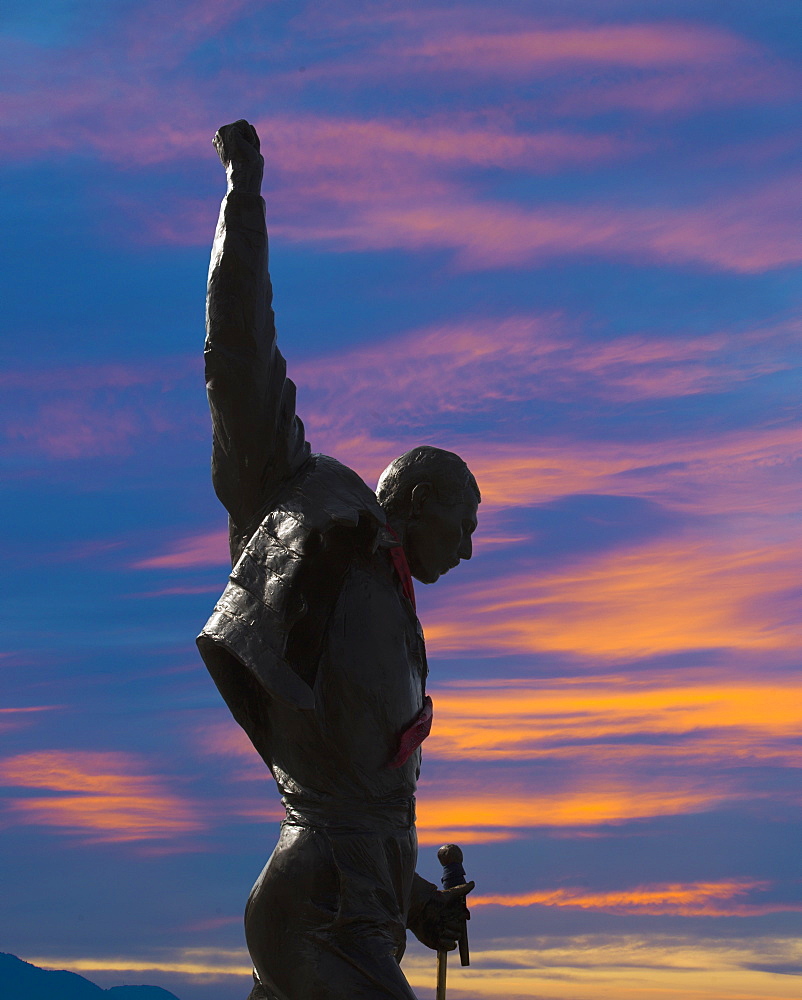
<point x="258" y="439"/>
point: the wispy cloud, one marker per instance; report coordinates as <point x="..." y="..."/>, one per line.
<point x="536" y="51"/>
<point x="748" y="229"/>
<point x="393" y="183"/>
<point x="687" y="90"/>
<point x="101" y="797"/>
<point x="86" y="411"/>
<point x="594" y="801"/>
<point x="749" y="232"/>
<point x="663" y="597"/>
<point x="208" y="549"/>
<point x="468" y="367"/>
<point x="707" y="718"/>
<point x="754" y="471"/>
<point x="689" y="899"/>
<point x="22" y="716"/>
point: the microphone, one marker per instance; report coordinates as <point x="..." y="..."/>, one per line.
<point x="450" y="857"/>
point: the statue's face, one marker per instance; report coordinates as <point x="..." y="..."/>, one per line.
<point x="439" y="536"/>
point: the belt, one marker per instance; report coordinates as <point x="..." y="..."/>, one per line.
<point x="351" y="817"/>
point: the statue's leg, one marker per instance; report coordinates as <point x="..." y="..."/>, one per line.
<point x="323" y="921"/>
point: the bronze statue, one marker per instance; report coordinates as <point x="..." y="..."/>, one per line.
<point x="315" y="644"/>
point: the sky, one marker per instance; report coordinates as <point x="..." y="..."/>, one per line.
<point x="559" y="237"/>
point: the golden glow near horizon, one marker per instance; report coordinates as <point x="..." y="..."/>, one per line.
<point x="584" y="967"/>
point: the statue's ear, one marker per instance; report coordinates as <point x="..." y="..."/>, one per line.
<point x="420" y="494"/>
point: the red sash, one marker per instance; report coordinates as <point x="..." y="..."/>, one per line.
<point x="412" y="738"/>
<point x="399" y="558"/>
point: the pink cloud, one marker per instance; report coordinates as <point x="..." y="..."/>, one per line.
<point x="480" y="365"/>
<point x="12" y="719"/>
<point x="749" y="233"/>
<point x="209" y="549"/>
<point x="348" y="147"/>
<point x="385" y="183"/>
<point x="86" y="410"/>
<point x="654" y="67"/>
<point x="89" y="98"/>
<point x="23" y="710"/>
<point x="324" y="156"/>
<point x="180" y="590"/>
<point x="72" y="429"/>
<point x="691" y="89"/>
<point x="535" y="51"/>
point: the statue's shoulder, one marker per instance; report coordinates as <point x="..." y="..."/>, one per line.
<point x="265" y="597"/>
<point x="323" y="494"/>
<point x="326" y="493"/>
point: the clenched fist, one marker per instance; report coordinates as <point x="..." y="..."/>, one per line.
<point x="443" y="918"/>
<point x="237" y="146"/>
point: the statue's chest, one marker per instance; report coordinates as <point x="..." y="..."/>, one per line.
<point x="374" y="665"/>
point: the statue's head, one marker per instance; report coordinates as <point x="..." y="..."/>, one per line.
<point x="431" y="499"/>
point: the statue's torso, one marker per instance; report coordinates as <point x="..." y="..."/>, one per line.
<point x="316" y="648"/>
<point x="369" y="687"/>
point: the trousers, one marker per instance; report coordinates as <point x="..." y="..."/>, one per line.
<point x="326" y="919"/>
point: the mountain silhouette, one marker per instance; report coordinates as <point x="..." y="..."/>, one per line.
<point x="22" y="981"/>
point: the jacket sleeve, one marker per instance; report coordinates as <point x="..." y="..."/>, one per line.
<point x="258" y="441"/>
<point x="422" y="893"/>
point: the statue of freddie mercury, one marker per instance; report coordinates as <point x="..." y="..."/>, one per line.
<point x="315" y="645"/>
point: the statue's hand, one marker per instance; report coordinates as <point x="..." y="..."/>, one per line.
<point x="237" y="146"/>
<point x="443" y="917"/>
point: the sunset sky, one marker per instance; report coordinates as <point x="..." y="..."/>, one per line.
<point x="560" y="237"/>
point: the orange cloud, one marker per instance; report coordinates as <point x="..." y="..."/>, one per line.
<point x="108" y="799"/>
<point x="711" y="716"/>
<point x="596" y="803"/>
<point x="690" y="899"/>
<point x="665" y="597"/>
